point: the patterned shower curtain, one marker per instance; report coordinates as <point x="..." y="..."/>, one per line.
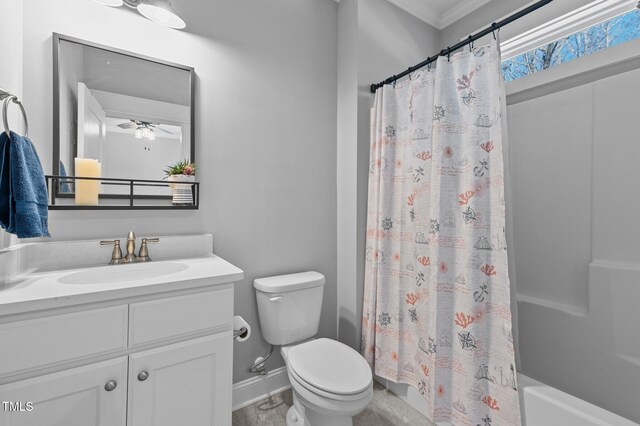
<point x="436" y="311"/>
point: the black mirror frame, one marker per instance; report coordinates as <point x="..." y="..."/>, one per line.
<point x="57" y="38"/>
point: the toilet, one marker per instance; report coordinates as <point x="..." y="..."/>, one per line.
<point x="331" y="382"/>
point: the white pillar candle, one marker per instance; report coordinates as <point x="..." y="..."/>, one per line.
<point x="87" y="190"/>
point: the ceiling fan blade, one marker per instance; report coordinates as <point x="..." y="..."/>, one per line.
<point x="163" y="130"/>
<point x="129" y="125"/>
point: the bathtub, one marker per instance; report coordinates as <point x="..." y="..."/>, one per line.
<point x="543" y="405"/>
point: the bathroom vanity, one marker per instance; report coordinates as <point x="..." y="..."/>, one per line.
<point x="141" y="344"/>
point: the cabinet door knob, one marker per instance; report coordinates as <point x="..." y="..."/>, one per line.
<point x="111" y="385"/>
<point x="143" y="375"/>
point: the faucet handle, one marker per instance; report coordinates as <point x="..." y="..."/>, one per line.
<point x="143" y="256"/>
<point x="116" y="254"/>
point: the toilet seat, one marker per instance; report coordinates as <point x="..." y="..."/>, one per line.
<point x="329" y="368"/>
<point x="298" y="384"/>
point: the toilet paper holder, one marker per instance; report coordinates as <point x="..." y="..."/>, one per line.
<point x="241" y="329"/>
<point x="241" y="332"/>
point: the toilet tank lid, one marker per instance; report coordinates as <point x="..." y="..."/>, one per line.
<point x="290" y="282"/>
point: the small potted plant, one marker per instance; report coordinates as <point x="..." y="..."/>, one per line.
<point x="183" y="173"/>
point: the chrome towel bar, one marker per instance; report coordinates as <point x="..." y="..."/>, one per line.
<point x="10" y="98"/>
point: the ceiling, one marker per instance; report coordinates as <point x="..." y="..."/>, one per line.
<point x="439" y="13"/>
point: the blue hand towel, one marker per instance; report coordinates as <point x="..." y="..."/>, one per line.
<point x="5" y="181"/>
<point x="23" y="190"/>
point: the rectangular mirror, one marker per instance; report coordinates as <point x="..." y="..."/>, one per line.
<point x="132" y="113"/>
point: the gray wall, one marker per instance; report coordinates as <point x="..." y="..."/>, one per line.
<point x="479" y="19"/>
<point x="347" y="171"/>
<point x="265" y="132"/>
<point x="377" y="39"/>
<point x="11" y="72"/>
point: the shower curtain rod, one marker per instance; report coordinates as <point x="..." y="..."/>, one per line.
<point x="492" y="28"/>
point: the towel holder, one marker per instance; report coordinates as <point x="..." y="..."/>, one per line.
<point x="8" y="98"/>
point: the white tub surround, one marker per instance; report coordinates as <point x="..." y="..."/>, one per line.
<point x="134" y="344"/>
<point x="578" y="273"/>
<point x="540" y="404"/>
<point x="543" y="405"/>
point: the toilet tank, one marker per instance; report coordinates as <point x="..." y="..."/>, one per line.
<point x="289" y="306"/>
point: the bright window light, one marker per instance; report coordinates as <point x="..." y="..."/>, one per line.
<point x="609" y="33"/>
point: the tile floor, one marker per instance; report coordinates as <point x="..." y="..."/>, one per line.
<point x="386" y="409"/>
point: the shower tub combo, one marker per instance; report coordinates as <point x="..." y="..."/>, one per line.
<point x="543" y="405"/>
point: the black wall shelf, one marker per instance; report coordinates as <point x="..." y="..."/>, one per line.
<point x="62" y="197"/>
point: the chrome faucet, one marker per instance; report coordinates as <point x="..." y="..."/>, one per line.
<point x="131" y="248"/>
<point x="143" y="255"/>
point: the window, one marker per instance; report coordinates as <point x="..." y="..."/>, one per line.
<point x="597" y="37"/>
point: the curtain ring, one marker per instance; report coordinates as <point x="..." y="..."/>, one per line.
<point x="409" y="73"/>
<point x="429" y="64"/>
<point x="394" y="81"/>
<point x="494" y="25"/>
<point x="448" y="54"/>
<point x="471" y="43"/>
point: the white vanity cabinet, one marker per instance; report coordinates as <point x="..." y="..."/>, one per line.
<point x="72" y="397"/>
<point x="187" y="383"/>
<point x="154" y="360"/>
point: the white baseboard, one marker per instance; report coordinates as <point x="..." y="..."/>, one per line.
<point x="407" y="393"/>
<point x="258" y="388"/>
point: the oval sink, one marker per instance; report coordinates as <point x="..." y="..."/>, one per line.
<point x="123" y="273"/>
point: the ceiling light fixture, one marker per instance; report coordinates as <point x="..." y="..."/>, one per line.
<point x="112" y="3"/>
<point x="159" y="11"/>
<point x="143" y="129"/>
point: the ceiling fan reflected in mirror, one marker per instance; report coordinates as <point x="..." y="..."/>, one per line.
<point x="143" y="129"/>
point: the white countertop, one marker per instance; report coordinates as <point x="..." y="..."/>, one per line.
<point x="33" y="291"/>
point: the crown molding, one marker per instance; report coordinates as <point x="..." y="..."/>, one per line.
<point x="461" y="10"/>
<point x="421" y="10"/>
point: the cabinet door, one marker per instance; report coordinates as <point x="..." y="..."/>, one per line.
<point x="187" y="383"/>
<point x="74" y="397"/>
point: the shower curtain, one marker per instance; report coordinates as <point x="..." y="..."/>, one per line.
<point x="436" y="311"/>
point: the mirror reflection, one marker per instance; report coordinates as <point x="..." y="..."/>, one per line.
<point x="132" y="114"/>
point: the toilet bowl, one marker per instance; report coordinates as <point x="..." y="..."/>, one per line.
<point x="331" y="382"/>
